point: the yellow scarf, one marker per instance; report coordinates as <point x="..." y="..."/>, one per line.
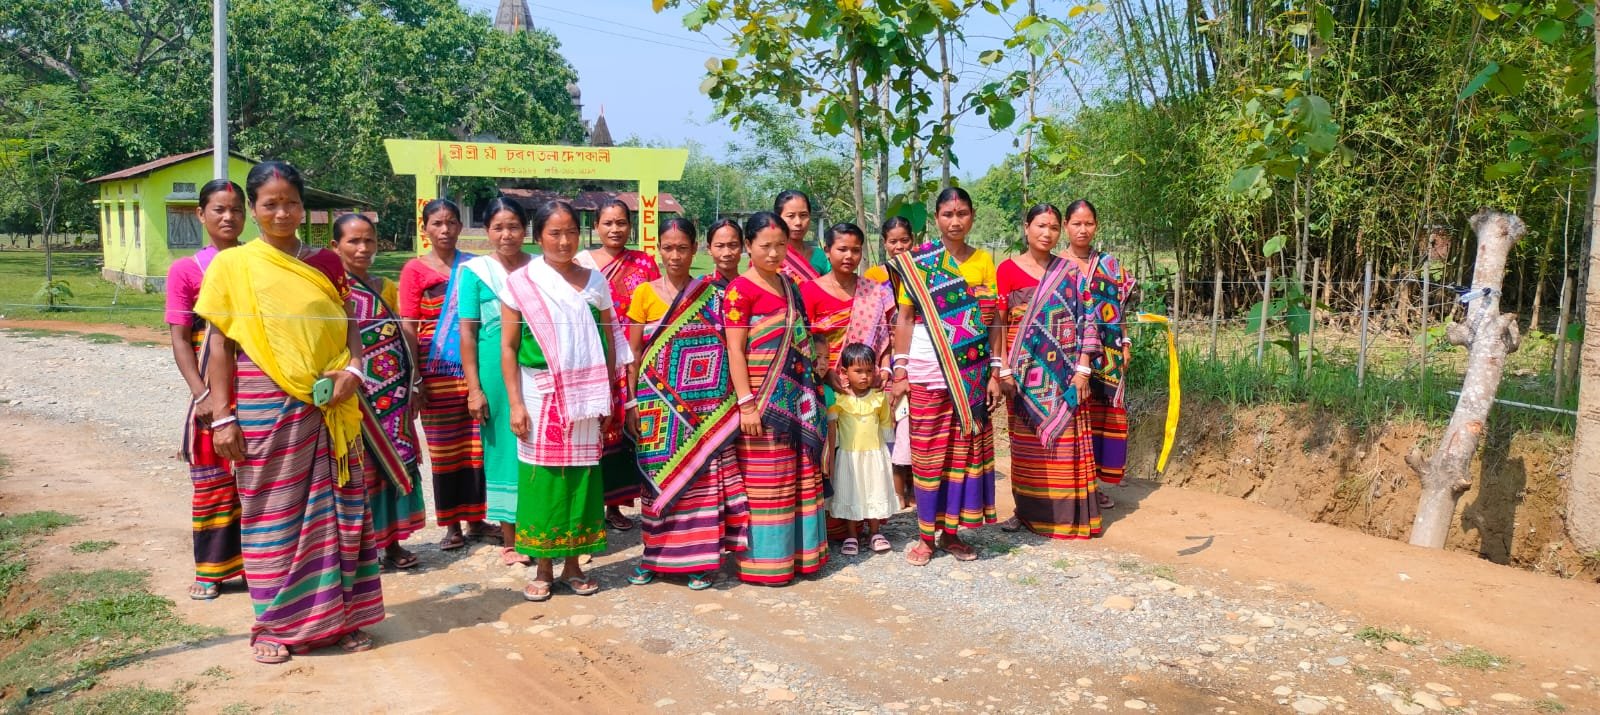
<point x="290" y="319"/>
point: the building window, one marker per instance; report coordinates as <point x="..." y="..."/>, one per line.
<point x="182" y="187"/>
<point x="138" y="233"/>
<point x="122" y="225"/>
<point x="105" y="222"/>
<point x="183" y="228"/>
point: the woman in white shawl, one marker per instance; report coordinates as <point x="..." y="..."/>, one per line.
<point x="559" y="355"/>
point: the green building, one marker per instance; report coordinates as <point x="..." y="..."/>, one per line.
<point x="147" y="215"/>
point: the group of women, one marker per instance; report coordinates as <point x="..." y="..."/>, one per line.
<point x="555" y="388"/>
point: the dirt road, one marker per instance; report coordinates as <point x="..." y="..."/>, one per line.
<point x="1192" y="603"/>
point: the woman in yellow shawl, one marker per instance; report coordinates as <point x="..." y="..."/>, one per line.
<point x="282" y="336"/>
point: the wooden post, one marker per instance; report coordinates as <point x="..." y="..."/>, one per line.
<point x="1177" y="292"/>
<point x="1422" y="357"/>
<point x="1216" y="309"/>
<point x="1266" y="305"/>
<point x="1562" y="317"/>
<point x="1366" y="309"/>
<point x="1488" y="336"/>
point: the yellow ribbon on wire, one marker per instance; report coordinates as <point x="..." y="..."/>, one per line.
<point x="1174" y="390"/>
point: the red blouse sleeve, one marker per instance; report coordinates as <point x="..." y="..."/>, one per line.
<point x="411" y="289"/>
<point x="1010" y="277"/>
<point x="738" y="303"/>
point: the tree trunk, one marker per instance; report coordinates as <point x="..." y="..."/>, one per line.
<point x="881" y="198"/>
<point x="1488" y="336"/>
<point x="858" y="167"/>
<point x="946" y="120"/>
<point x="1583" y="493"/>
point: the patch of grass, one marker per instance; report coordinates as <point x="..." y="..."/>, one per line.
<point x="217" y="672"/>
<point x="92" y="547"/>
<point x="102" y="338"/>
<point x="1162" y="571"/>
<point x="1592" y="558"/>
<point x="1001" y="548"/>
<point x="96" y="621"/>
<point x="1128" y="566"/>
<point x="123" y="701"/>
<point x="14" y="532"/>
<point x="1382" y="675"/>
<point x="1379" y="636"/>
<point x="1476" y="658"/>
<point x="146" y="344"/>
<point x="1549" y="705"/>
<point x="1062" y="564"/>
<point x="22" y="272"/>
<point x="240" y="708"/>
<point x="1028" y="580"/>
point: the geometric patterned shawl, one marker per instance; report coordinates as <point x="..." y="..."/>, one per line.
<point x="939" y="292"/>
<point x="1053" y="331"/>
<point x="1106" y="289"/>
<point x="686" y="405"/>
<point x="386" y="391"/>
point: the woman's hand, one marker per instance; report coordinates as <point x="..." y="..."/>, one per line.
<point x="837" y="379"/>
<point x="203" y="410"/>
<point x="997" y="395"/>
<point x="419" y="396"/>
<point x="1081" y="384"/>
<point x="898" y="389"/>
<point x="345" y="385"/>
<point x="478" y="405"/>
<point x="1008" y="385"/>
<point x="228" y="441"/>
<point x="520" y="424"/>
<point x="750" y="420"/>
<point x="632" y="425"/>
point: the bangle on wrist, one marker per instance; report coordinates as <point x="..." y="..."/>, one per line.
<point x="1084" y="370"/>
<point x="747" y="399"/>
<point x="1005" y="372"/>
<point x="201" y="397"/>
<point x="630" y="404"/>
<point x="224" y="422"/>
<point x="353" y="370"/>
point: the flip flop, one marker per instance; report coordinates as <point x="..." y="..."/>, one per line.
<point x="1012" y="525"/>
<point x="356" y="642"/>
<point x="279" y="654"/>
<point x="919" y="554"/>
<point x="701" y="581"/>
<point x="580" y="585"/>
<point x="1106" y="502"/>
<point x="451" y="542"/>
<point x="534" y="596"/>
<point x="486" y="533"/>
<point x="405" y="561"/>
<point x="619" y="522"/>
<point x="961" y="551"/>
<point x="207" y="592"/>
<point x="510" y="557"/>
<point x="642" y="577"/>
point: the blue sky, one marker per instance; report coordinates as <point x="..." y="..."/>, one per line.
<point x="646" y="69"/>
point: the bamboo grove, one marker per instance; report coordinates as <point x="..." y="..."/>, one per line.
<point x="1228" y="135"/>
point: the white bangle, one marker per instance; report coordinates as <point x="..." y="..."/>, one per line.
<point x="353" y="370"/>
<point x="1005" y="372"/>
<point x="630" y="404"/>
<point x="202" y="396"/>
<point x="747" y="399"/>
<point x="1084" y="370"/>
<point x="224" y="422"/>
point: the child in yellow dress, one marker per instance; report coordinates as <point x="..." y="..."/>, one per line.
<point x="861" y="425"/>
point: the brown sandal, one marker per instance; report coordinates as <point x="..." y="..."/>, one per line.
<point x="960" y="550"/>
<point x="919" y="554"/>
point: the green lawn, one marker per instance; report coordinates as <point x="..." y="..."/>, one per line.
<point x="95" y="300"/>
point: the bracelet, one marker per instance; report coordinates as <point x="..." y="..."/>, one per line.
<point x="1005" y="372"/>
<point x="747" y="399"/>
<point x="630" y="404"/>
<point x="353" y="370"/>
<point x="202" y="396"/>
<point x="224" y="422"/>
<point x="1083" y="370"/>
<point x="899" y="357"/>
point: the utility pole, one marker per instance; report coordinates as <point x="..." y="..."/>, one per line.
<point x="219" y="88"/>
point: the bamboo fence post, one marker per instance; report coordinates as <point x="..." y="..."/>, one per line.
<point x="1562" y="317"/>
<point x="1216" y="310"/>
<point x="1422" y="359"/>
<point x="1311" y="327"/>
<point x="1366" y="308"/>
<point x="1266" y="307"/>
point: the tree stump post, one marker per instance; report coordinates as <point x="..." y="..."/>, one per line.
<point x="1488" y="336"/>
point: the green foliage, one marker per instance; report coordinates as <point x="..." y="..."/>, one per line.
<point x="317" y="82"/>
<point x="123" y="701"/>
<point x="1476" y="658"/>
<point x="1378" y="636"/>
<point x="92" y="547"/>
